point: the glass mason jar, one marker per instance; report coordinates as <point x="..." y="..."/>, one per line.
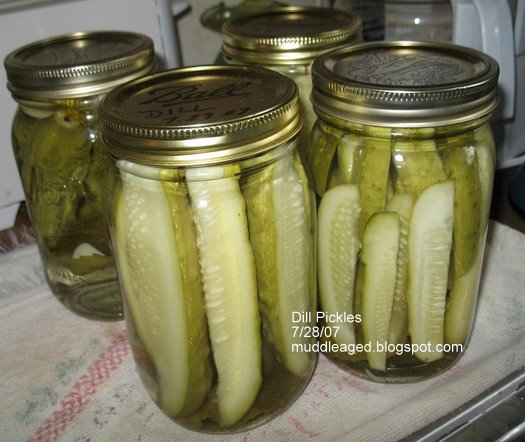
<point x="58" y="84"/>
<point x="288" y="40"/>
<point x="402" y="159"/>
<point x="428" y="20"/>
<point x="212" y="223"/>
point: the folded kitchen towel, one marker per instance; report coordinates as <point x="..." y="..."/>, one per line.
<point x="66" y="378"/>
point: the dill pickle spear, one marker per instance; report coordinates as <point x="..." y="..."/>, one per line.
<point x="325" y="139"/>
<point x="402" y="204"/>
<point x="338" y="249"/>
<point x="62" y="154"/>
<point x="373" y="169"/>
<point x="429" y="246"/>
<point x="379" y="256"/>
<point x="418" y="165"/>
<point x="96" y="170"/>
<point x="486" y="159"/>
<point x="347" y="151"/>
<point x="201" y="372"/>
<point x="157" y="263"/>
<point x="462" y="297"/>
<point x="230" y="287"/>
<point x="462" y="302"/>
<point x="460" y="163"/>
<point x="280" y="237"/>
<point x="22" y="130"/>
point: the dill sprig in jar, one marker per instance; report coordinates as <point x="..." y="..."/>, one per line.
<point x="402" y="158"/>
<point x="212" y="222"/>
<point x="58" y="84"/>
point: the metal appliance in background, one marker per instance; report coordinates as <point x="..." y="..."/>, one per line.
<point x="495" y="27"/>
<point x="25" y="21"/>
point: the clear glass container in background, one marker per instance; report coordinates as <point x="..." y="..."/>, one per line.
<point x="402" y="159"/>
<point x="372" y="13"/>
<point x="423" y="20"/>
<point x="58" y="84"/>
<point x="288" y="40"/>
<point x="212" y="221"/>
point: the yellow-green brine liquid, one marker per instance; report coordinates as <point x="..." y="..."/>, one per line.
<point x="402" y="162"/>
<point x="212" y="221"/>
<point x="58" y="85"/>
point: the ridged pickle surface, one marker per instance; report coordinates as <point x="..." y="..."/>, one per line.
<point x="438" y="183"/>
<point x="213" y="264"/>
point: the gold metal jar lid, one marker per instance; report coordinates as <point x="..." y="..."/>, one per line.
<point x="78" y="65"/>
<point x="200" y="115"/>
<point x="289" y="35"/>
<point x="399" y="83"/>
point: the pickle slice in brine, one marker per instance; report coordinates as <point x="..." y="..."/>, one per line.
<point x="418" y="165"/>
<point x="461" y="303"/>
<point x="324" y="143"/>
<point x="429" y="246"/>
<point x="338" y="249"/>
<point x="97" y="168"/>
<point x="201" y="371"/>
<point x="379" y="256"/>
<point x="402" y="204"/>
<point x="347" y="151"/>
<point x="53" y="178"/>
<point x="460" y="163"/>
<point x="280" y="230"/>
<point x="23" y="126"/>
<point x="486" y="159"/>
<point x="157" y="260"/>
<point x="230" y="287"/>
<point x="373" y="171"/>
<point x="462" y="298"/>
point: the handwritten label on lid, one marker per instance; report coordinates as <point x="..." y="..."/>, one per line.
<point x="208" y="100"/>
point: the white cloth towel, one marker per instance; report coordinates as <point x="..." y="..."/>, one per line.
<point x="66" y="378"/>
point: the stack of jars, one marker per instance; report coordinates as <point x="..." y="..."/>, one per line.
<point x="401" y="156"/>
<point x="247" y="237"/>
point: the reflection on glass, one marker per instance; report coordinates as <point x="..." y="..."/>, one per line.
<point x="215" y="16"/>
